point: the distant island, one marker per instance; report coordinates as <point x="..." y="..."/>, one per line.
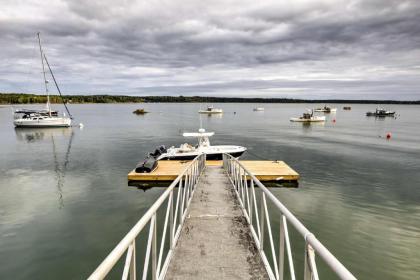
<point x="24" y="98"/>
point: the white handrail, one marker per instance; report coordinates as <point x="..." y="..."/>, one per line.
<point x="186" y="182"/>
<point x="239" y="177"/>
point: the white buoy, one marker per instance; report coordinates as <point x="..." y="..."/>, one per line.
<point x="81" y="125"/>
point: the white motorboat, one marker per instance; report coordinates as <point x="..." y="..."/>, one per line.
<point x="187" y="151"/>
<point x="211" y="110"/>
<point x="308" y="118"/>
<point x="326" y="109"/>
<point x="45" y="117"/>
<point x="258" y="109"/>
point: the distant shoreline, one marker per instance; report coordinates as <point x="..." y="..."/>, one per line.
<point x="23" y="98"/>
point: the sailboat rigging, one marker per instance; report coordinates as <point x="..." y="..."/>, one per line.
<point x="46" y="117"/>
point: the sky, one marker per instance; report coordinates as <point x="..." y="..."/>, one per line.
<point x="316" y="49"/>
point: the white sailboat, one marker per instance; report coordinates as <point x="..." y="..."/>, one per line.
<point x="45" y="117"/>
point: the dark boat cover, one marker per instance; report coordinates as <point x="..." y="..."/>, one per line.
<point x="146" y="166"/>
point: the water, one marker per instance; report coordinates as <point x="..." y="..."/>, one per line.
<point x="65" y="203"/>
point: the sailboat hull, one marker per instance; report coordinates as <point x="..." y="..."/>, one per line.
<point x="43" y="122"/>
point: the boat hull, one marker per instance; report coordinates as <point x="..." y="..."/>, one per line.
<point x="46" y="122"/>
<point x="332" y="110"/>
<point x="307" y="120"/>
<point x="209" y="156"/>
<point x="210" y="112"/>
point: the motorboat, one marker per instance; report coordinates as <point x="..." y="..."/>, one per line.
<point x="347" y="108"/>
<point x="44" y="117"/>
<point x="187" y="151"/>
<point x="211" y="110"/>
<point x="258" y="109"/>
<point x="308" y="118"/>
<point x="326" y="109"/>
<point x="379" y="112"/>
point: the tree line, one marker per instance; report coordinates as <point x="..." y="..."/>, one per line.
<point x="24" y="98"/>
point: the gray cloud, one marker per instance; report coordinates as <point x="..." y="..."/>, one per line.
<point x="340" y="49"/>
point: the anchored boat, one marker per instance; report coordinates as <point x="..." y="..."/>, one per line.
<point x="326" y="109"/>
<point x="211" y="110"/>
<point x="45" y="117"/>
<point x="258" y="109"/>
<point x="308" y="118"/>
<point x="379" y="112"/>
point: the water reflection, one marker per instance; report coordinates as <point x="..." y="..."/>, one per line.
<point x="146" y="185"/>
<point x="52" y="135"/>
<point x="214" y="116"/>
<point x="307" y="126"/>
<point x="41" y="134"/>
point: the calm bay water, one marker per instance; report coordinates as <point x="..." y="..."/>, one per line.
<point x="65" y="203"/>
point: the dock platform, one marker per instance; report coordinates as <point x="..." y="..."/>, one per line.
<point x="215" y="242"/>
<point x="265" y="171"/>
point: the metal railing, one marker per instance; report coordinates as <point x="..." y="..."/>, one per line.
<point x="245" y="183"/>
<point x="174" y="219"/>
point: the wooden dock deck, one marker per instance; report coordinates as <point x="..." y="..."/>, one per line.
<point x="265" y="171"/>
<point x="215" y="241"/>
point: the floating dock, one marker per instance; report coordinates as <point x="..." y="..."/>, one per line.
<point x="265" y="171"/>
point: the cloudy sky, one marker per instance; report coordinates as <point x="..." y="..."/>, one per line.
<point x="302" y="48"/>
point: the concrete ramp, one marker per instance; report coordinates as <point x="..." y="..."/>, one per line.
<point x="215" y="242"/>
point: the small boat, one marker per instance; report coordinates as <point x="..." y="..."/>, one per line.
<point x="379" y="112"/>
<point x="44" y="117"/>
<point x="326" y="110"/>
<point x="211" y="110"/>
<point x="346" y="108"/>
<point x="187" y="151"/>
<point x="308" y="118"/>
<point x="258" y="109"/>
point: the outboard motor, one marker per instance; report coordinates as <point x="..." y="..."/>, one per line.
<point x="162" y="149"/>
<point x="159" y="150"/>
<point x="147" y="166"/>
<point x="156" y="153"/>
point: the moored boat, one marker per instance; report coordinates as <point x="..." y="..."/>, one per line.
<point x="211" y="110"/>
<point x="44" y="117"/>
<point x="308" y="118"/>
<point x="379" y="112"/>
<point x="258" y="109"/>
<point x="188" y="152"/>
<point x="326" y="109"/>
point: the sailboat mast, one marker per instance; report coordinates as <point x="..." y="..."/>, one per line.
<point x="45" y="78"/>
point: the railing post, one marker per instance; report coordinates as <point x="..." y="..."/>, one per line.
<point x="310" y="272"/>
<point x="133" y="275"/>
<point x="251" y="202"/>
<point x="171" y="221"/>
<point x="154" y="250"/>
<point x="262" y="218"/>
<point x="281" y="249"/>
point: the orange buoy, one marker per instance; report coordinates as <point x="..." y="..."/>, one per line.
<point x="388" y="135"/>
